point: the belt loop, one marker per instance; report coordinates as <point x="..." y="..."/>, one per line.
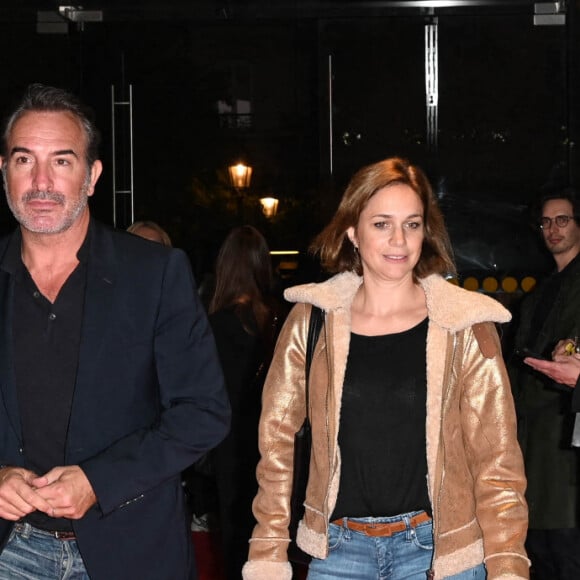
<point x="409" y="530"/>
<point x="26" y="530"/>
<point x="346" y="531"/>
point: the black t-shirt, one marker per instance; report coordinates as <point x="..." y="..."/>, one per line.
<point x="46" y="339"/>
<point x="382" y="426"/>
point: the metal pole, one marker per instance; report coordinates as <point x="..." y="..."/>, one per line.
<point x="127" y="178"/>
<point x="132" y="194"/>
<point x="432" y="82"/>
<point x="330" y="127"/>
<point x="113" y="150"/>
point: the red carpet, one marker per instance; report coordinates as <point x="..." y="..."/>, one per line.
<point x="207" y="556"/>
<point x="206" y="546"/>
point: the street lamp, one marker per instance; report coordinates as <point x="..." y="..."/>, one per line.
<point x="269" y="206"/>
<point x="240" y="176"/>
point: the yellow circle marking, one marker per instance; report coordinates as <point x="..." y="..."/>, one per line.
<point x="490" y="284"/>
<point x="509" y="284"/>
<point x="471" y="283"/>
<point x="528" y="283"/>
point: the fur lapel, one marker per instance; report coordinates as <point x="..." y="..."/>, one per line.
<point x="333" y="294"/>
<point x="449" y="306"/>
<point x="455" y="308"/>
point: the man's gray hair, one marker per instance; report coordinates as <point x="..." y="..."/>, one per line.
<point x="43" y="98"/>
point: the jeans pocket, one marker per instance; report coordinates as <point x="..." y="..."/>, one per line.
<point x="422" y="536"/>
<point x="335" y="537"/>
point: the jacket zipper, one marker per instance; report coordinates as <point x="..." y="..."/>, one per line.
<point x="327" y="425"/>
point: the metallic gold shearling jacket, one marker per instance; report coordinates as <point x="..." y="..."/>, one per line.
<point x="475" y="471"/>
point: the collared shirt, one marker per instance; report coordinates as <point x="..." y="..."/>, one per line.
<point x="46" y="338"/>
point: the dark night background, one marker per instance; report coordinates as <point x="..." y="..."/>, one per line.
<point x="507" y="116"/>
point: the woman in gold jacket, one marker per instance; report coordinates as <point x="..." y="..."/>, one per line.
<point x="415" y="469"/>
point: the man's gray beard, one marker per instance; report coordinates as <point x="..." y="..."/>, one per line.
<point x="53" y="196"/>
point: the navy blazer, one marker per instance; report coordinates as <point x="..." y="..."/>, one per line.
<point x="149" y="400"/>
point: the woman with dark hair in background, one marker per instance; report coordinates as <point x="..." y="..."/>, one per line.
<point x="243" y="314"/>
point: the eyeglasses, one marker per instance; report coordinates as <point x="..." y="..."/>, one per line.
<point x="561" y="221"/>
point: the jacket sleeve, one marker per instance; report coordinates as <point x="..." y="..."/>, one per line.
<point x="494" y="456"/>
<point x="192" y="408"/>
<point x="283" y="411"/>
<point x="576" y="397"/>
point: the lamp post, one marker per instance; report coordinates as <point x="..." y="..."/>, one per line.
<point x="240" y="178"/>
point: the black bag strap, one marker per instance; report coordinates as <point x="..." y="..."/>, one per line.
<point x="314" y="326"/>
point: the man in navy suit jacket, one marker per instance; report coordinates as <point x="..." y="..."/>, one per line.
<point x="110" y="383"/>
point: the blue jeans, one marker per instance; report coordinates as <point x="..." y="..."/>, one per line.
<point x="405" y="555"/>
<point x="32" y="554"/>
<point x="477" y="573"/>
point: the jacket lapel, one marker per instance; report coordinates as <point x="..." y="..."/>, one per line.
<point x="7" y="379"/>
<point x="99" y="293"/>
<point x="8" y="393"/>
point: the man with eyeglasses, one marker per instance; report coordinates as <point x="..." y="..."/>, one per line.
<point x="546" y="421"/>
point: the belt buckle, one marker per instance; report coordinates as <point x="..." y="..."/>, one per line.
<point x="64" y="535"/>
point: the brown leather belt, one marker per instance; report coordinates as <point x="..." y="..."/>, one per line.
<point x="61" y="535"/>
<point x="58" y="535"/>
<point x="382" y="529"/>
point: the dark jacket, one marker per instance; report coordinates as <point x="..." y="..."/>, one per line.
<point x="576" y="398"/>
<point x="149" y="399"/>
<point x="545" y="418"/>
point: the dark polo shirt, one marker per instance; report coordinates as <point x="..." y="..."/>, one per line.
<point x="46" y="338"/>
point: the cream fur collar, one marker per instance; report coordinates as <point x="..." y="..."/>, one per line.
<point x="449" y="306"/>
